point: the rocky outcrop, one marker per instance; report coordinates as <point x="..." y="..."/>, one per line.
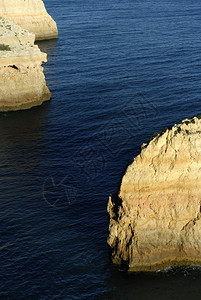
<point x="22" y="82"/>
<point x="155" y="219"/>
<point x="30" y="15"/>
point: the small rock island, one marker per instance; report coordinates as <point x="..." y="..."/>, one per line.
<point x="30" y="15"/>
<point x="22" y="82"/>
<point x="155" y="218"/>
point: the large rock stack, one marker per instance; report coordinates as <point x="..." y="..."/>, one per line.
<point x="22" y="82"/>
<point x="155" y="219"/>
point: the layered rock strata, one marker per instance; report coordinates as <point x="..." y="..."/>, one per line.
<point x="155" y="219"/>
<point x="22" y="82"/>
<point x="30" y="15"/>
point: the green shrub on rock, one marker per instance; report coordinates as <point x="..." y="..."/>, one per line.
<point x="4" y="47"/>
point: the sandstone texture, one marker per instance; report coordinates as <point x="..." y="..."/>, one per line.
<point x="30" y="15"/>
<point x="22" y="82"/>
<point x="155" y="219"/>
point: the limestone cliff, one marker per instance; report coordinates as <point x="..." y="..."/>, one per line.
<point x="22" y="82"/>
<point x="155" y="220"/>
<point x="30" y="15"/>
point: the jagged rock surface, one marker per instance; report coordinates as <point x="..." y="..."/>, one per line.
<point x="155" y="220"/>
<point x="22" y="82"/>
<point x="30" y="15"/>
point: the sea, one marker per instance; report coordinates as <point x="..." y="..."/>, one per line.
<point x="119" y="71"/>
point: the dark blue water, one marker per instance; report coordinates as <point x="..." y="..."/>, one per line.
<point x="119" y="71"/>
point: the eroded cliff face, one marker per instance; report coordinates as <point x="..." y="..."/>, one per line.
<point x="155" y="220"/>
<point x="22" y="82"/>
<point x="30" y="15"/>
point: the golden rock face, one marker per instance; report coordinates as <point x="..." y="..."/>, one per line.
<point x="30" y="15"/>
<point x="155" y="220"/>
<point x="22" y="82"/>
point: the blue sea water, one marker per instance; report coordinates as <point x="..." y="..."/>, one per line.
<point x="119" y="71"/>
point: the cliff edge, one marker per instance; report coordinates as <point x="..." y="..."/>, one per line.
<point x="30" y="15"/>
<point x="22" y="82"/>
<point x="155" y="219"/>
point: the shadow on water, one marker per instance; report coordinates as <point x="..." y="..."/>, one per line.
<point x="51" y="48"/>
<point x="48" y="46"/>
<point x="172" y="283"/>
<point x="22" y="137"/>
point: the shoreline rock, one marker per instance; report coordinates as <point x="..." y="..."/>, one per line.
<point x="30" y="15"/>
<point x="22" y="81"/>
<point x="155" y="218"/>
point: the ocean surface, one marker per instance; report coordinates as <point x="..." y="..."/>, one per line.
<point x="119" y="71"/>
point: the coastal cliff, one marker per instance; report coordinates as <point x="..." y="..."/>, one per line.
<point x="22" y="82"/>
<point x="155" y="219"/>
<point x="30" y="15"/>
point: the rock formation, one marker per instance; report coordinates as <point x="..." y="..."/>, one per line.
<point x="155" y="219"/>
<point x="30" y="15"/>
<point x="22" y="82"/>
